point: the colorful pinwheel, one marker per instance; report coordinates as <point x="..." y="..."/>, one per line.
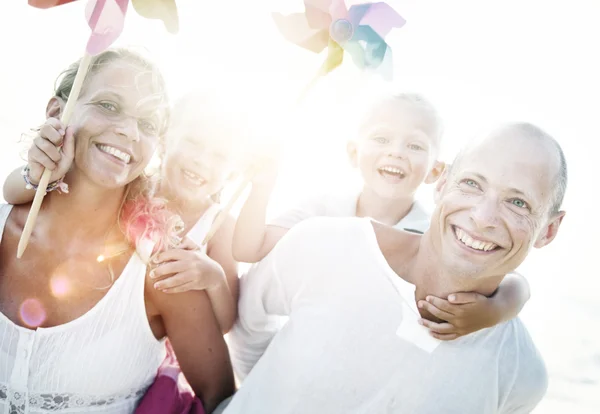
<point x="359" y="30"/>
<point x="165" y="10"/>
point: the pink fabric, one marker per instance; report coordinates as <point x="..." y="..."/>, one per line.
<point x="170" y="393"/>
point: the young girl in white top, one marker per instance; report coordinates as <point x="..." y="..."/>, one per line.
<point x="396" y="150"/>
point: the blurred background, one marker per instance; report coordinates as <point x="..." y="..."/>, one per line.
<point x="480" y="62"/>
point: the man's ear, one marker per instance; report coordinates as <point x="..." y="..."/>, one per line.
<point x="436" y="171"/>
<point x="440" y="185"/>
<point x="54" y="108"/>
<point x="352" y="151"/>
<point x="550" y="230"/>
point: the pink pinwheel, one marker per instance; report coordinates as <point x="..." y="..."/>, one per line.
<point x="359" y="30"/>
<point x="106" y="18"/>
<point x="165" y="10"/>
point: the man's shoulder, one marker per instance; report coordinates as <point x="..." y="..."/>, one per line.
<point x="517" y="343"/>
<point x="523" y="372"/>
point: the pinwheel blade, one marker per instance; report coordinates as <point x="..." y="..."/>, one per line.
<point x="165" y="10"/>
<point x="357" y="12"/>
<point x="106" y="18"/>
<point x="335" y="57"/>
<point x="382" y="18"/>
<point x="338" y="10"/>
<point x="317" y="19"/>
<point x="295" y="28"/>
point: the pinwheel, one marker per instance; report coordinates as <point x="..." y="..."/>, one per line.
<point x="165" y="10"/>
<point x="360" y="31"/>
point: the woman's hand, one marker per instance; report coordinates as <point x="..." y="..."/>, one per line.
<point x="186" y="268"/>
<point x="54" y="149"/>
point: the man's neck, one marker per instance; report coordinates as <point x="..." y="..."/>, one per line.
<point x="413" y="258"/>
<point x="384" y="210"/>
<point x="430" y="277"/>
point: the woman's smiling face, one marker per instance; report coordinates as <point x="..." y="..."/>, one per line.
<point x="118" y="121"/>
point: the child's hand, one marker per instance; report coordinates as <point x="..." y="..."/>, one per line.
<point x="186" y="268"/>
<point x="264" y="173"/>
<point x="46" y="151"/>
<point x="464" y="313"/>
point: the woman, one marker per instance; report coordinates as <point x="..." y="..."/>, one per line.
<point x="100" y="323"/>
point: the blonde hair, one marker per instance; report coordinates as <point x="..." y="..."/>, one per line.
<point x="414" y="100"/>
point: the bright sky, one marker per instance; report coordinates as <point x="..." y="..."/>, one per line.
<point x="480" y="62"/>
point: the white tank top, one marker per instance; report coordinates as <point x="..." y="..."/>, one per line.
<point x="203" y="225"/>
<point x="102" y="362"/>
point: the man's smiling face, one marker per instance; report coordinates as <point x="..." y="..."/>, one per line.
<point x="495" y="204"/>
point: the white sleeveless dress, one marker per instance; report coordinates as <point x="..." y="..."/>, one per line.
<point x="102" y="362"/>
<point x="203" y="225"/>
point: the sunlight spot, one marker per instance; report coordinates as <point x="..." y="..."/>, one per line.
<point x="60" y="286"/>
<point x="32" y="313"/>
<point x="100" y="258"/>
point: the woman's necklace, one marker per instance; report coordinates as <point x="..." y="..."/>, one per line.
<point x="111" y="251"/>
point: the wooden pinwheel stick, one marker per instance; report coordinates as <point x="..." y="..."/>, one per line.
<point x="44" y="181"/>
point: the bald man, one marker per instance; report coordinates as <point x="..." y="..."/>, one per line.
<point x="352" y="288"/>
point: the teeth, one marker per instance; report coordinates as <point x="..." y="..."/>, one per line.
<point x="392" y="170"/>
<point x="474" y="244"/>
<point x="193" y="176"/>
<point x="123" y="156"/>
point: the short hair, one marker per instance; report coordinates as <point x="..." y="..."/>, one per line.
<point x="418" y="102"/>
<point x="534" y="132"/>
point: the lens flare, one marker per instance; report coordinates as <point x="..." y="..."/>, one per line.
<point x="32" y="313"/>
<point x="60" y="286"/>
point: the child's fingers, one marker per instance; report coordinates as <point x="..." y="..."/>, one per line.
<point x="172" y="255"/>
<point x="169" y="268"/>
<point x="36" y="155"/>
<point x="444" y="337"/>
<point x="441" y="304"/>
<point x="47" y="148"/>
<point x="52" y="131"/>
<point x="179" y="289"/>
<point x="188" y="244"/>
<point x="68" y="148"/>
<point x="173" y="281"/>
<point x="440" y="328"/>
<point x="435" y="311"/>
<point x="463" y="298"/>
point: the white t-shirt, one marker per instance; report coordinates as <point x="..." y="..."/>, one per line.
<point x="352" y="343"/>
<point x="343" y="204"/>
